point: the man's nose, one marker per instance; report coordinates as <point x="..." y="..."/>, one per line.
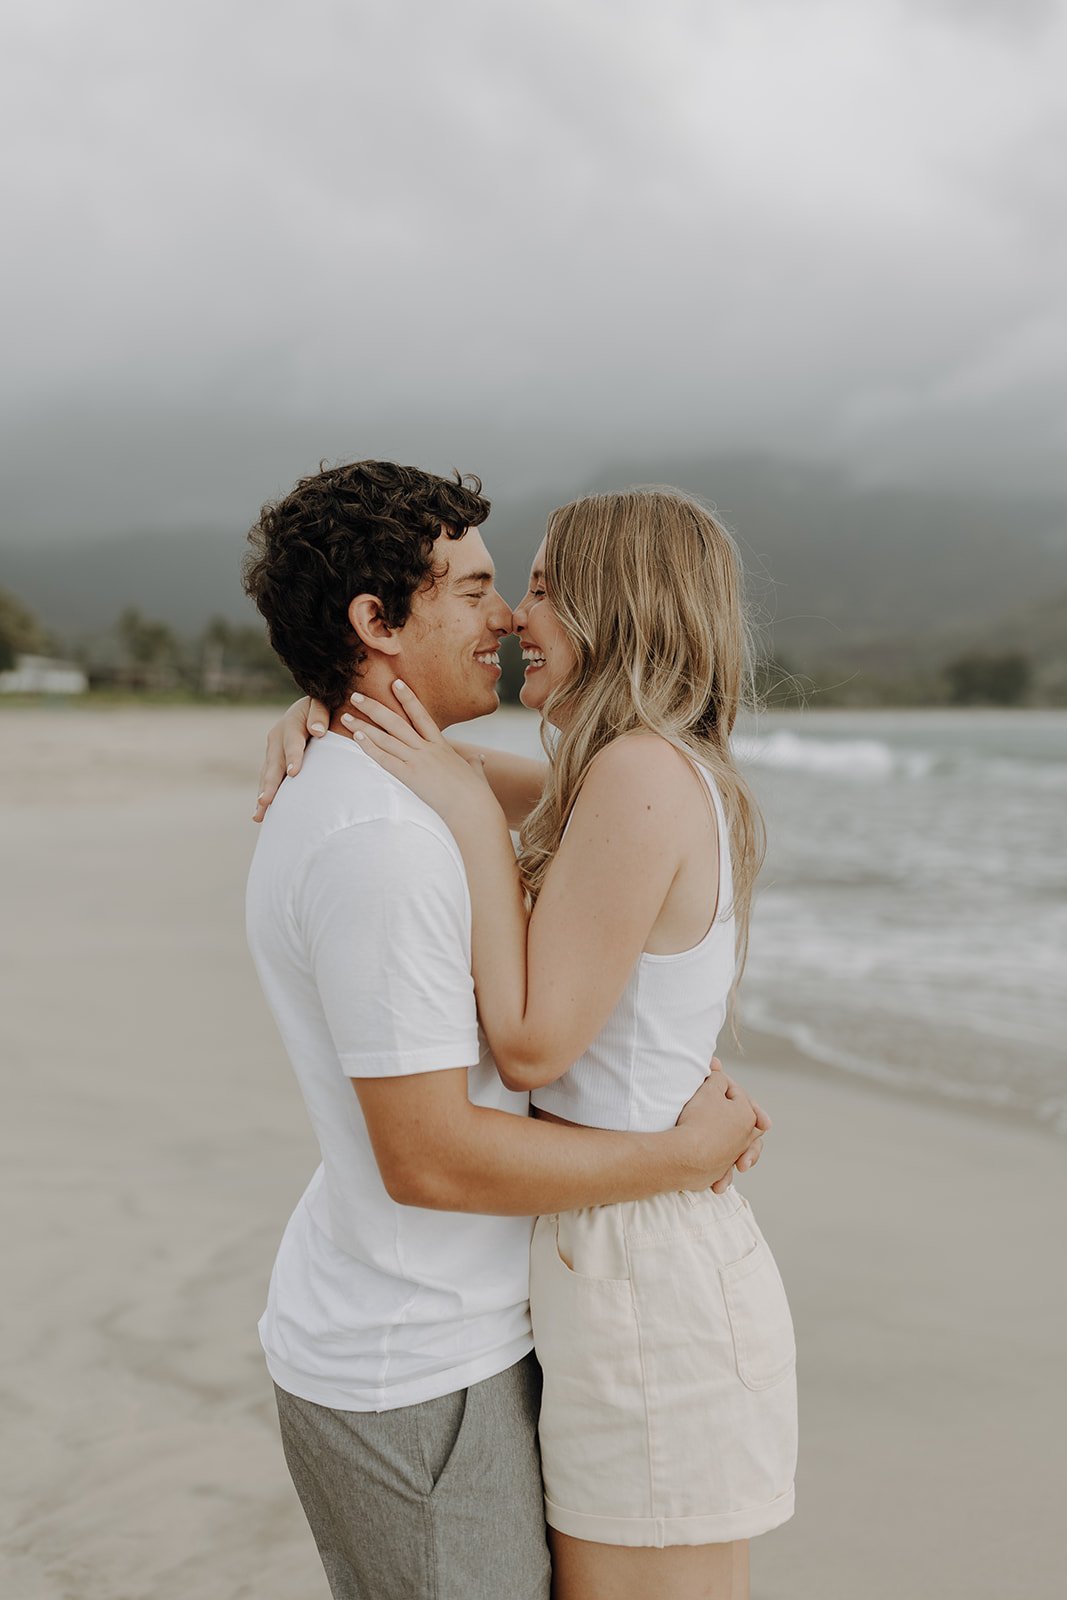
<point x="503" y="622"/>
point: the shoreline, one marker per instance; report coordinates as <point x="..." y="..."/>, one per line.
<point x="786" y="1054"/>
<point x="178" y="699"/>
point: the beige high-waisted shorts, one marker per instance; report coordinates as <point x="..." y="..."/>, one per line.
<point x="669" y="1408"/>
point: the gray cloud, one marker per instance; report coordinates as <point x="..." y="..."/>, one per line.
<point x="1006" y="16"/>
<point x="249" y="235"/>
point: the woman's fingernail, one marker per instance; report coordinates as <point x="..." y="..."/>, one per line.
<point x="359" y="736"/>
<point x="289" y="768"/>
<point x="357" y="699"/>
<point x="317" y="727"/>
<point x="348" y="721"/>
<point x="398" y="683"/>
<point x="260" y="796"/>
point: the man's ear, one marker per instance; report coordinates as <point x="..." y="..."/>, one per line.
<point x="367" y="619"/>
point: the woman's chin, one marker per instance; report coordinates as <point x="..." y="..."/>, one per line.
<point x="531" y="695"/>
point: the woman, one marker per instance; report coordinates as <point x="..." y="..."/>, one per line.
<point x="668" y="1422"/>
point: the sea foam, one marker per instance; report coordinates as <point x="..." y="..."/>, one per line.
<point x="863" y="759"/>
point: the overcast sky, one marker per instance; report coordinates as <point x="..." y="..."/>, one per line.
<point x="241" y="234"/>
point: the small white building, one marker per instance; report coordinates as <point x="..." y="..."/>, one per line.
<point x="42" y="675"/>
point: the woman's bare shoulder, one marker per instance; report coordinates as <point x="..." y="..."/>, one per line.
<point x="637" y="765"/>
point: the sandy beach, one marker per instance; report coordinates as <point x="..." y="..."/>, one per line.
<point x="154" y="1143"/>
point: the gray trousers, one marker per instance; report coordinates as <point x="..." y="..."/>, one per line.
<point x="438" y="1501"/>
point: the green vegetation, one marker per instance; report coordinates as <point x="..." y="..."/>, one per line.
<point x="20" y="632"/>
<point x="120" y="699"/>
<point x="976" y="678"/>
<point x="140" y="658"/>
<point x="1021" y="661"/>
<point x="225" y="661"/>
<point x="980" y="678"/>
<point x="150" y="648"/>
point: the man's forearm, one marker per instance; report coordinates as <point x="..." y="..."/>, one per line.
<point x="506" y="1165"/>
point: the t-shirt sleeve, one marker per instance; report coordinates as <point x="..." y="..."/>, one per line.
<point x="385" y="917"/>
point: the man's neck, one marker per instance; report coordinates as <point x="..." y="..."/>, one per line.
<point x="376" y="682"/>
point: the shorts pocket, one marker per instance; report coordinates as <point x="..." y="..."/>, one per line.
<point x="592" y="1411"/>
<point x="764" y="1343"/>
<point x="592" y="1250"/>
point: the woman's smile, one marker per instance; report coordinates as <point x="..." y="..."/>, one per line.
<point x="546" y="650"/>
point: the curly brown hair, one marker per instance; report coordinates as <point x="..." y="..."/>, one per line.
<point x="365" y="528"/>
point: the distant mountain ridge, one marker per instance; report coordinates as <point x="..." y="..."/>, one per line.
<point x="832" y="566"/>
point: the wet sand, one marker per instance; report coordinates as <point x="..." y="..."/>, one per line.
<point x="154" y="1143"/>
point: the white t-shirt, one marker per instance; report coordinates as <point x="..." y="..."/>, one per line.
<point x="359" y="923"/>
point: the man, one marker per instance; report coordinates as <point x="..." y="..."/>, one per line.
<point x="397" y="1327"/>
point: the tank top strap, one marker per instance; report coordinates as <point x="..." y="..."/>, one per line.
<point x="724" y="897"/>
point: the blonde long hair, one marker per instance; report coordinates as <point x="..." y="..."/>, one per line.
<point x="647" y="585"/>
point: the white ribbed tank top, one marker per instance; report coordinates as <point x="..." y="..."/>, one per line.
<point x="655" y="1049"/>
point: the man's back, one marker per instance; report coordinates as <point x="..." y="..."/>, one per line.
<point x="359" y="925"/>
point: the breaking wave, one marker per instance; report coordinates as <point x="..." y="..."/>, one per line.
<point x="849" y="758"/>
<point x="875" y="760"/>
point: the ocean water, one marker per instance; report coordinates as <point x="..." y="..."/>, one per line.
<point x="911" y="922"/>
<point x="911" y="919"/>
